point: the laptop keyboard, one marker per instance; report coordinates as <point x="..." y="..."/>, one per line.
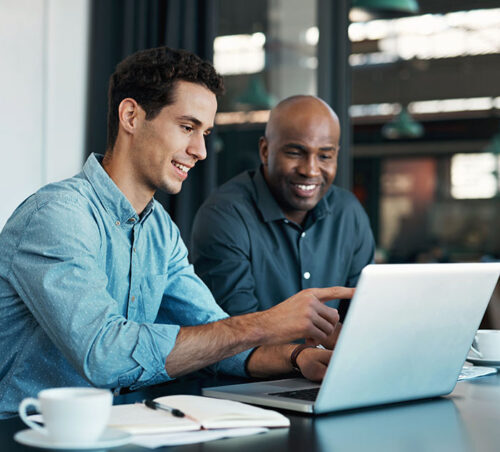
<point x="301" y="394"/>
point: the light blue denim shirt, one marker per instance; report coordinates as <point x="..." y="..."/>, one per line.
<point x="91" y="293"/>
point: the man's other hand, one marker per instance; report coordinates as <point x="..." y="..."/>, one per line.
<point x="313" y="363"/>
<point x="304" y="315"/>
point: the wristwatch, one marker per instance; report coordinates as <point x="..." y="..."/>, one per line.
<point x="296" y="352"/>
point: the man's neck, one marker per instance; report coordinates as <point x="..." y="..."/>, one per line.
<point x="118" y="169"/>
<point x="296" y="216"/>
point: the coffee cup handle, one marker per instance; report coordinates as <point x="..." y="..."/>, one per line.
<point x="25" y="403"/>
<point x="474" y="347"/>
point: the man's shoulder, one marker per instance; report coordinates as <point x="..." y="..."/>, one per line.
<point x="73" y="196"/>
<point x="75" y="188"/>
<point x="238" y="191"/>
<point x="340" y="197"/>
<point x="54" y="209"/>
<point x="344" y="204"/>
<point x="60" y="194"/>
<point x="230" y="207"/>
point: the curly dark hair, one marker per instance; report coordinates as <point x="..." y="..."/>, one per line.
<point x="149" y="76"/>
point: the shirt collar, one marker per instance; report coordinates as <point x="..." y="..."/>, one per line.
<point x="112" y="198"/>
<point x="323" y="207"/>
<point x="266" y="203"/>
<point x="270" y="209"/>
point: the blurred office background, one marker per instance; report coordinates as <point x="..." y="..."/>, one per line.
<point x="418" y="94"/>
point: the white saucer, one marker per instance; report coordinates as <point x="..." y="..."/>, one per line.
<point x="483" y="362"/>
<point x="110" y="438"/>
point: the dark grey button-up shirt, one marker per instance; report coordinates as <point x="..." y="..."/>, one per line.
<point x="252" y="257"/>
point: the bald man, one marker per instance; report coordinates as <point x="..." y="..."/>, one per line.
<point x="269" y="233"/>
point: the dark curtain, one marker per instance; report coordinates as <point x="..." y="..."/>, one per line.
<point x="121" y="27"/>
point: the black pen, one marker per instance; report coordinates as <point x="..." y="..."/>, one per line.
<point x="160" y="406"/>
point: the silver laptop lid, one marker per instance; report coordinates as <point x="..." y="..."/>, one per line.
<point x="405" y="337"/>
<point x="407" y="333"/>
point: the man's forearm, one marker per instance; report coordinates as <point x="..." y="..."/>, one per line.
<point x="200" y="346"/>
<point x="193" y="351"/>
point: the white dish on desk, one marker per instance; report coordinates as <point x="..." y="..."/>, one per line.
<point x="483" y="362"/>
<point x="110" y="438"/>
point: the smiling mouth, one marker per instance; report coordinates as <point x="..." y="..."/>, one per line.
<point x="306" y="187"/>
<point x="181" y="167"/>
<point x="305" y="190"/>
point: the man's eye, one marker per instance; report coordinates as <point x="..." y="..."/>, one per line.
<point x="187" y="128"/>
<point x="292" y="153"/>
<point x="325" y="156"/>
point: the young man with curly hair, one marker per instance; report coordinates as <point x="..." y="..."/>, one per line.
<point x="95" y="284"/>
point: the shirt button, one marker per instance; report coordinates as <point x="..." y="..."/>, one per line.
<point x="133" y="298"/>
<point x="286" y="221"/>
<point x="134" y="249"/>
<point x="131" y="220"/>
<point x="307" y="275"/>
<point x="303" y="234"/>
<point x="117" y="223"/>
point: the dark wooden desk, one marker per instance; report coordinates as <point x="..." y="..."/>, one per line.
<point x="466" y="420"/>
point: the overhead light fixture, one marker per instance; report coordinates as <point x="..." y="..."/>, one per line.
<point x="363" y="10"/>
<point x="255" y="96"/>
<point x="402" y="126"/>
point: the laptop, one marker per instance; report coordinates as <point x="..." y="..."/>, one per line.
<point x="406" y="336"/>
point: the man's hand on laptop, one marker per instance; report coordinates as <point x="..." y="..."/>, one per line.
<point x="304" y="315"/>
<point x="313" y="363"/>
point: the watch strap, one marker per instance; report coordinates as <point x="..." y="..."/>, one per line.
<point x="296" y="352"/>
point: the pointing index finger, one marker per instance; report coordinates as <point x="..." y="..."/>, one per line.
<point x="331" y="293"/>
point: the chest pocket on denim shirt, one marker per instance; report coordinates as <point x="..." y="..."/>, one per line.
<point x="152" y="288"/>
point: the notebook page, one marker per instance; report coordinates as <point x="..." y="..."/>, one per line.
<point x="138" y="419"/>
<point x="218" y="413"/>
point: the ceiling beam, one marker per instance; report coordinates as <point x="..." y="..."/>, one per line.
<point x="416" y="80"/>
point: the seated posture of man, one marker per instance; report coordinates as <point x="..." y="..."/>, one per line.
<point x="95" y="285"/>
<point x="269" y="233"/>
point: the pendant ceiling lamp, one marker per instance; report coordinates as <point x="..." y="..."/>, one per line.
<point x="387" y="8"/>
<point x="402" y="126"/>
<point x="494" y="145"/>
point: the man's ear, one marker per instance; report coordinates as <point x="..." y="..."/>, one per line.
<point x="263" y="151"/>
<point x="128" y="114"/>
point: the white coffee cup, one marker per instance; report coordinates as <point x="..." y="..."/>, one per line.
<point x="70" y="415"/>
<point x="487" y="343"/>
